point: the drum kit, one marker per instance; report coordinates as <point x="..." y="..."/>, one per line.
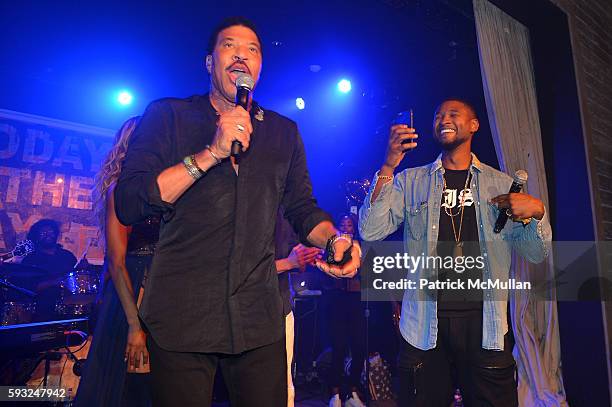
<point x="32" y="294"/>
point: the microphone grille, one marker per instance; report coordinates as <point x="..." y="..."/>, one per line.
<point x="245" y="81"/>
<point x="520" y="177"/>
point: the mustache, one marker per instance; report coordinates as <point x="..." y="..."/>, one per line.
<point x="239" y="64"/>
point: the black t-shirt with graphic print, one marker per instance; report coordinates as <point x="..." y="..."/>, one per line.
<point x="452" y="197"/>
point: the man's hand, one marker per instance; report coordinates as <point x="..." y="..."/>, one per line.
<point x="233" y="125"/>
<point x="301" y="256"/>
<point x="395" y="149"/>
<point x="395" y="152"/>
<point x="348" y="270"/>
<point x="136" y="349"/>
<point x="520" y="206"/>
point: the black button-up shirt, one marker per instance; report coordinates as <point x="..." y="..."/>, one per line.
<point x="213" y="285"/>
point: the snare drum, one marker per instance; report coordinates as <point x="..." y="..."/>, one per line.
<point x="78" y="292"/>
<point x="80" y="287"/>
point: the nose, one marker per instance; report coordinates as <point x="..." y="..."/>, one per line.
<point x="446" y="119"/>
<point x="239" y="54"/>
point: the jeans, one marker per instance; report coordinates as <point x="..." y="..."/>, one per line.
<point x="485" y="377"/>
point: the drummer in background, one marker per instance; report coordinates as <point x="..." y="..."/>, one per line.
<point x="48" y="254"/>
<point x="55" y="260"/>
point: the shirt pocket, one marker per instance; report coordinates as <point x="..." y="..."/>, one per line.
<point x="417" y="220"/>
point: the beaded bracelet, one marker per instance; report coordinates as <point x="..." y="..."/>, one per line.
<point x="386" y="178"/>
<point x="192" y="167"/>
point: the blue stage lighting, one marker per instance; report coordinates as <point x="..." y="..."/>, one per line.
<point x="300" y="103"/>
<point x="344" y="86"/>
<point x="124" y="98"/>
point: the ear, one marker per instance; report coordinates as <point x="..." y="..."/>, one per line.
<point x="474" y="125"/>
<point x="209" y="63"/>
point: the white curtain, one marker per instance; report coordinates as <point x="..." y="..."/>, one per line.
<point x="509" y="87"/>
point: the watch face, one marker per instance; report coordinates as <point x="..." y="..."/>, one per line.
<point x="329" y="249"/>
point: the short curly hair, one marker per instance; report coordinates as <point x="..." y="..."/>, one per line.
<point x="230" y="22"/>
<point x="36" y="228"/>
<point x="464" y="102"/>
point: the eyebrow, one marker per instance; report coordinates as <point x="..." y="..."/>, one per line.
<point x="233" y="39"/>
<point x="449" y="110"/>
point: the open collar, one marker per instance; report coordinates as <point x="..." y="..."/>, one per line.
<point x="437" y="165"/>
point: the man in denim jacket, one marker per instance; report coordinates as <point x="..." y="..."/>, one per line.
<point x="467" y="347"/>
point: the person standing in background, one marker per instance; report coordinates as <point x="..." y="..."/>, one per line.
<point x="347" y="328"/>
<point x="117" y="366"/>
<point x="290" y="256"/>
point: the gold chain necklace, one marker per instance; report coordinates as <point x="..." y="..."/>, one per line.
<point x="458" y="247"/>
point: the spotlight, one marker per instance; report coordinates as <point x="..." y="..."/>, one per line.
<point x="344" y="86"/>
<point x="300" y="103"/>
<point x="124" y="98"/>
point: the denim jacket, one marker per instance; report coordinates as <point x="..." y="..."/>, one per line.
<point x="414" y="199"/>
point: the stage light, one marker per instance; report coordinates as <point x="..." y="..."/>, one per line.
<point x="344" y="86"/>
<point x="124" y="98"/>
<point x="300" y="103"/>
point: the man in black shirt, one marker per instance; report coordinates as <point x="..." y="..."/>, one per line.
<point x="48" y="254"/>
<point x="51" y="257"/>
<point x="212" y="296"/>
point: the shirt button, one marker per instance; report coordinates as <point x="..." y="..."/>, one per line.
<point x="484" y="254"/>
<point x="433" y="227"/>
<point x="478" y="203"/>
<point x="481" y="226"/>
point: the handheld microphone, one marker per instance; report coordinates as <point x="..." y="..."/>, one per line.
<point x="520" y="178"/>
<point x="244" y="87"/>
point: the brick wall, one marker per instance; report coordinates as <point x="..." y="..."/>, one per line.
<point x="590" y="24"/>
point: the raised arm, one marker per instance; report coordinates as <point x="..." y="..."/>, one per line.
<point x="152" y="178"/>
<point x="383" y="208"/>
